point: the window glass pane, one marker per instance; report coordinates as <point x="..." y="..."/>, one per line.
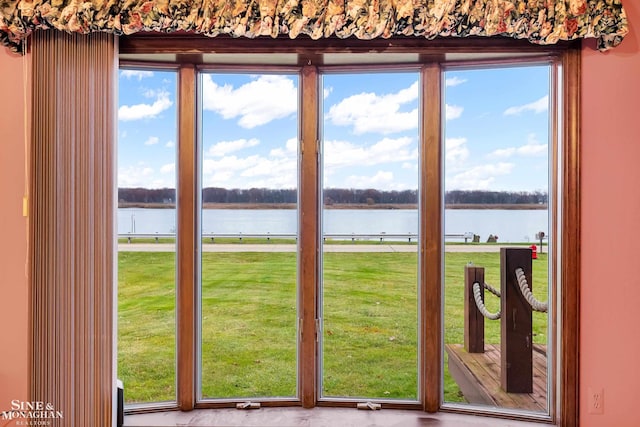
<point x="370" y="228"/>
<point x="497" y="192"/>
<point x="146" y="235"/>
<point x="249" y="228"/>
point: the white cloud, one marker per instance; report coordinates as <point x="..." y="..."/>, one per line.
<point x="532" y="148"/>
<point x="132" y="175"/>
<point x="456" y="152"/>
<point x="454" y="81"/>
<point x="152" y="140"/>
<point x="151" y="93"/>
<point x="145" y="111"/>
<point x="382" y="179"/>
<point x="539" y="106"/>
<point x="410" y="165"/>
<point x="256" y="103"/>
<point x="142" y="175"/>
<point x="290" y="149"/>
<point x="370" y="112"/>
<point x="137" y="74"/>
<point x="170" y="144"/>
<point x="270" y="168"/>
<point x="453" y="111"/>
<point x="277" y="170"/>
<point x="228" y="163"/>
<point x="344" y="153"/>
<point x="327" y="91"/>
<point x="503" y="152"/>
<point x="253" y="171"/>
<point x="219" y="179"/>
<point x="479" y="177"/>
<point x="168" y="168"/>
<point x="223" y="148"/>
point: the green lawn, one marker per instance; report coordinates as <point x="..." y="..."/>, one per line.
<point x="370" y="325"/>
<point x="249" y="323"/>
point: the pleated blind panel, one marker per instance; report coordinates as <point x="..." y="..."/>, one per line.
<point x="71" y="224"/>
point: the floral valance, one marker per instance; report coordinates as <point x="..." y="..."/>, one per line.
<point x="539" y="21"/>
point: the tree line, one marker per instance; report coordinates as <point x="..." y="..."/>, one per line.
<point x="331" y="196"/>
<point x="455" y="197"/>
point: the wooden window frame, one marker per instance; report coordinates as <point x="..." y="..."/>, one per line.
<point x="189" y="51"/>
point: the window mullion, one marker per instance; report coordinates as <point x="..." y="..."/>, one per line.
<point x="431" y="237"/>
<point x="186" y="243"/>
<point x="309" y="241"/>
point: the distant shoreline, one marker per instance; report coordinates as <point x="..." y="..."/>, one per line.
<point x="382" y="206"/>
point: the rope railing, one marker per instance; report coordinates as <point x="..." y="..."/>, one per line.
<point x="516" y="304"/>
<point x="492" y="289"/>
<point x="526" y="293"/>
<point x="480" y="304"/>
<point x="523" y="285"/>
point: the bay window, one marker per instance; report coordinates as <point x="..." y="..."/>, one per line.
<point x="320" y="252"/>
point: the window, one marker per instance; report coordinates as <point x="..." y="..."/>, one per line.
<point x="146" y="228"/>
<point x="369" y="286"/>
<point x="249" y="222"/>
<point x="498" y="156"/>
<point x="334" y="315"/>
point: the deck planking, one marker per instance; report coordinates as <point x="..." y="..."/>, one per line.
<point x="478" y="376"/>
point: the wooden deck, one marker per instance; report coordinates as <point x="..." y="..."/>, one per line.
<point x="478" y="376"/>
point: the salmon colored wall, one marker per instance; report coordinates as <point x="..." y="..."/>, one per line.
<point x="610" y="293"/>
<point x="14" y="316"/>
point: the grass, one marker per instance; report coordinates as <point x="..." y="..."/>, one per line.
<point x="146" y="325"/>
<point x="370" y="325"/>
<point x="249" y="323"/>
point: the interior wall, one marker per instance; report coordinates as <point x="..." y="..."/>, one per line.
<point x="610" y="293"/>
<point x="14" y="315"/>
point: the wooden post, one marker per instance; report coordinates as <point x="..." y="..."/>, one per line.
<point x="516" y="325"/>
<point x="473" y="319"/>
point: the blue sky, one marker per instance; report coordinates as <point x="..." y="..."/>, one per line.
<point x="496" y="129"/>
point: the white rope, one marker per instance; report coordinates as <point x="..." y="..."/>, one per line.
<point x="492" y="289"/>
<point x="526" y="293"/>
<point x="480" y="304"/>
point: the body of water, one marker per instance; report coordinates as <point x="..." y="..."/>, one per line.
<point x="508" y="225"/>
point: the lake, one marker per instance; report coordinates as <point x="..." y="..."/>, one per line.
<point x="508" y="225"/>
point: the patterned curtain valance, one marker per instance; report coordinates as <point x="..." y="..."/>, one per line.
<point x="539" y="21"/>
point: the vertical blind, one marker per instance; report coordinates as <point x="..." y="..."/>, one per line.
<point x="72" y="226"/>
